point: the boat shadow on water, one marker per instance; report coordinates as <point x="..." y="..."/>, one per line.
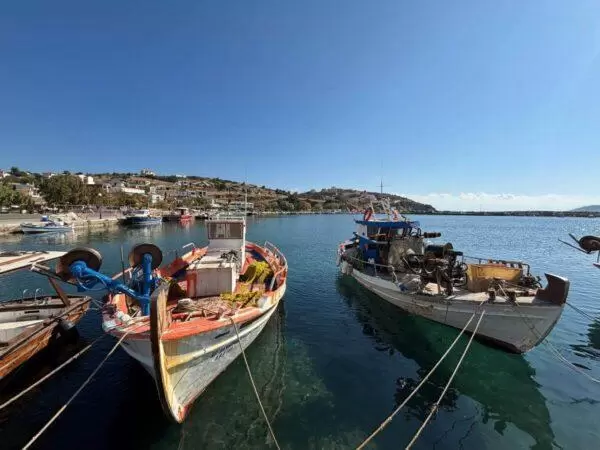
<point x="501" y="383"/>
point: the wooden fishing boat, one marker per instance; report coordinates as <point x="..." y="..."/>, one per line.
<point x="180" y="215"/>
<point x="391" y="258"/>
<point x="29" y="324"/>
<point x="187" y="321"/>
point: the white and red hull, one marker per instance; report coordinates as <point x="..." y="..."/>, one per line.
<point x="208" y="348"/>
<point x="185" y="351"/>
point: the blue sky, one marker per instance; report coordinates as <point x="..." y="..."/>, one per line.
<point x="466" y="104"/>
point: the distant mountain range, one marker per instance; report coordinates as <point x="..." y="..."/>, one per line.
<point x="589" y="208"/>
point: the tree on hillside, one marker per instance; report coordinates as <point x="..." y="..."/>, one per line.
<point x="304" y="206"/>
<point x="331" y="205"/>
<point x="293" y="199"/>
<point x="65" y="189"/>
<point x="8" y="196"/>
<point x="284" y="205"/>
<point x="16" y="172"/>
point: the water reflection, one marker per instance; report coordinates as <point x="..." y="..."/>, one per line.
<point x="144" y="231"/>
<point x="500" y="382"/>
<point x="50" y="238"/>
<point x="591" y="349"/>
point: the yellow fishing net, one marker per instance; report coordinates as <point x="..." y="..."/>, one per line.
<point x="248" y="298"/>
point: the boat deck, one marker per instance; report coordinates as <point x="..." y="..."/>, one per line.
<point x="188" y="314"/>
<point x="431" y="291"/>
<point x="11" y="261"/>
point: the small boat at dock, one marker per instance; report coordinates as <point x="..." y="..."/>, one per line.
<point x="180" y="215"/>
<point x="142" y="217"/>
<point x="391" y="257"/>
<point x="187" y="321"/>
<point x="31" y="323"/>
<point x="51" y="225"/>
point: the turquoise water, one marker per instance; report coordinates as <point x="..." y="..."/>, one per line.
<point x="335" y="360"/>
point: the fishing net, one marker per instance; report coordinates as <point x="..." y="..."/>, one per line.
<point x="257" y="272"/>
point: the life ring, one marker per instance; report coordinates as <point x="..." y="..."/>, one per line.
<point x="368" y="214"/>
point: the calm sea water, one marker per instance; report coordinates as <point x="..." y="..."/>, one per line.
<point x="335" y="360"/>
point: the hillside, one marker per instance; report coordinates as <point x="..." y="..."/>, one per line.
<point x="589" y="208"/>
<point x="167" y="191"/>
<point x="337" y="198"/>
<point x="199" y="191"/>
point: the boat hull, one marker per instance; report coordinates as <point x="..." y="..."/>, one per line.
<point x="184" y="368"/>
<point x="504" y="324"/>
<point x="143" y="221"/>
<point x="37" y="337"/>
<point x="33" y="229"/>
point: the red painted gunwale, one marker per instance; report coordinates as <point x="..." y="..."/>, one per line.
<point x="140" y="328"/>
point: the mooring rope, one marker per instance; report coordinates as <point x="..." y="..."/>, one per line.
<point x="580" y="311"/>
<point x="416" y="389"/>
<point x="254" y="385"/>
<point x="555" y="351"/>
<point x="56" y="370"/>
<point x="549" y="344"/>
<point x="78" y="391"/>
<point x="436" y="406"/>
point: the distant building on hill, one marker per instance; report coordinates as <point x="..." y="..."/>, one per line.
<point x="116" y="185"/>
<point x="147" y="173"/>
<point x="29" y="190"/>
<point x="241" y="206"/>
<point x="4" y="174"/>
<point x="86" y="179"/>
<point x="155" y="198"/>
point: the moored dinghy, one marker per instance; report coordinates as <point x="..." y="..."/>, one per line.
<point x="390" y="257"/>
<point x="30" y="323"/>
<point x="184" y="322"/>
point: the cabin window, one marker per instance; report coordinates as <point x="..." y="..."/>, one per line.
<point x="225" y="230"/>
<point x="372" y="231"/>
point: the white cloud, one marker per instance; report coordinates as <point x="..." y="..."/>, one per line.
<point x="475" y="201"/>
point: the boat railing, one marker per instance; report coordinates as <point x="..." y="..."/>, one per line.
<point x="391" y="269"/>
<point x="278" y="254"/>
<point x="504" y="262"/>
<point x="465" y="259"/>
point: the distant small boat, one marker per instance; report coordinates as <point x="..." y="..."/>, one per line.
<point x="181" y="215"/>
<point x="50" y="225"/>
<point x="142" y="217"/>
<point x="29" y="324"/>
